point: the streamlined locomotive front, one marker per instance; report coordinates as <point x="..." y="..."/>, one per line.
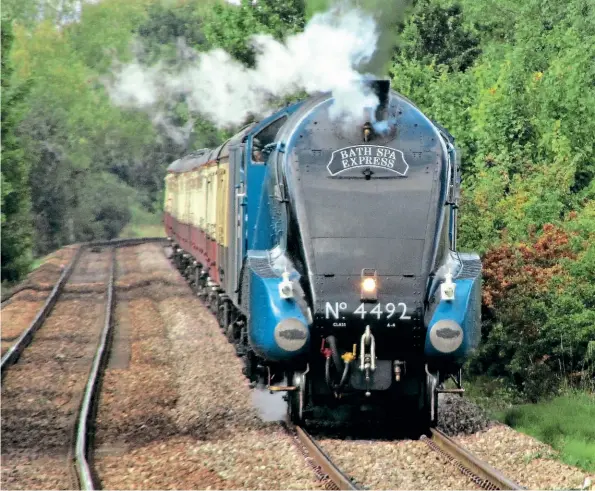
<point x="372" y="234"/>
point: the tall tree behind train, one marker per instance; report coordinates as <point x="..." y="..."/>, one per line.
<point x="73" y="139"/>
<point x="230" y="27"/>
<point x="522" y="110"/>
<point x="16" y="202"/>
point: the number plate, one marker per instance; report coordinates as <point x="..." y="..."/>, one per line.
<point x="380" y="311"/>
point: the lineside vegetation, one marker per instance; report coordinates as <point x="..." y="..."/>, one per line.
<point x="512" y="82"/>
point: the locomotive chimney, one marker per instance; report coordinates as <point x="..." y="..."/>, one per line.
<point x="381" y="88"/>
<point x="378" y="123"/>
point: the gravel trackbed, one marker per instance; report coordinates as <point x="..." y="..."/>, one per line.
<point x="178" y="415"/>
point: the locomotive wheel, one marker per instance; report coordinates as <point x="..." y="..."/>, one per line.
<point x="230" y="331"/>
<point x="297" y="398"/>
<point x="250" y="364"/>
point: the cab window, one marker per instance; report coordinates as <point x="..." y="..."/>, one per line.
<point x="264" y="137"/>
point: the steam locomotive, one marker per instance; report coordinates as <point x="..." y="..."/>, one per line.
<point x="328" y="253"/>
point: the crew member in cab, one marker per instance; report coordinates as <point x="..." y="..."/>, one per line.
<point x="257" y="155"/>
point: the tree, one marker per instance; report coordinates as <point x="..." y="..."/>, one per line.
<point x="230" y="27"/>
<point x="72" y="137"/>
<point x="16" y="205"/>
<point x="513" y="82"/>
<point x="438" y="34"/>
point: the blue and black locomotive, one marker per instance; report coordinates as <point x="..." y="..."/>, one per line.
<point x="335" y="271"/>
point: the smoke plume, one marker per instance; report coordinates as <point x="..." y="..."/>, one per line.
<point x="324" y="57"/>
<point x="387" y="14"/>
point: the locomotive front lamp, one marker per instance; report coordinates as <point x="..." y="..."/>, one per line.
<point x="286" y="287"/>
<point x="369" y="285"/>
<point x="447" y="289"/>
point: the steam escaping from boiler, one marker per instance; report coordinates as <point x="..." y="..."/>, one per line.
<point x="324" y="57"/>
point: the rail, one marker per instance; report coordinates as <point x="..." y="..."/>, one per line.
<point x="13" y="353"/>
<point x="330" y="472"/>
<point x="90" y="397"/>
<point x="480" y="472"/>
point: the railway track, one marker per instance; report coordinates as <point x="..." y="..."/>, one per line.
<point x="13" y="353"/>
<point x="90" y="280"/>
<point x="325" y="469"/>
<point x="480" y="473"/>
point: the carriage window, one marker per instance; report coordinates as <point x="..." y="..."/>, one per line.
<point x="264" y="137"/>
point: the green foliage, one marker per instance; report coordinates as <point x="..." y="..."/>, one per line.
<point x="16" y="203"/>
<point x="97" y="39"/>
<point x="105" y="209"/>
<point x="84" y="154"/>
<point x="143" y="224"/>
<point x="230" y="27"/>
<point x="565" y="423"/>
<point x="88" y="166"/>
<point x="514" y="84"/>
<point x="539" y="312"/>
<point x="166" y="25"/>
<point x="437" y="34"/>
<point x="316" y="6"/>
<point x="492" y="393"/>
<point x="30" y="12"/>
<point x="527" y="154"/>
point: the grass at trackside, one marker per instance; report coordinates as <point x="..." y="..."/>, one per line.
<point x="142" y="230"/>
<point x="36" y="263"/>
<point x="143" y="224"/>
<point x="566" y="422"/>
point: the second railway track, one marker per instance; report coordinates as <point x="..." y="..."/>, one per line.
<point x="52" y="372"/>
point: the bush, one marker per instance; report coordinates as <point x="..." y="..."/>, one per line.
<point x="539" y="312"/>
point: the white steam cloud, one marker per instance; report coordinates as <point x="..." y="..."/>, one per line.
<point x="324" y="57"/>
